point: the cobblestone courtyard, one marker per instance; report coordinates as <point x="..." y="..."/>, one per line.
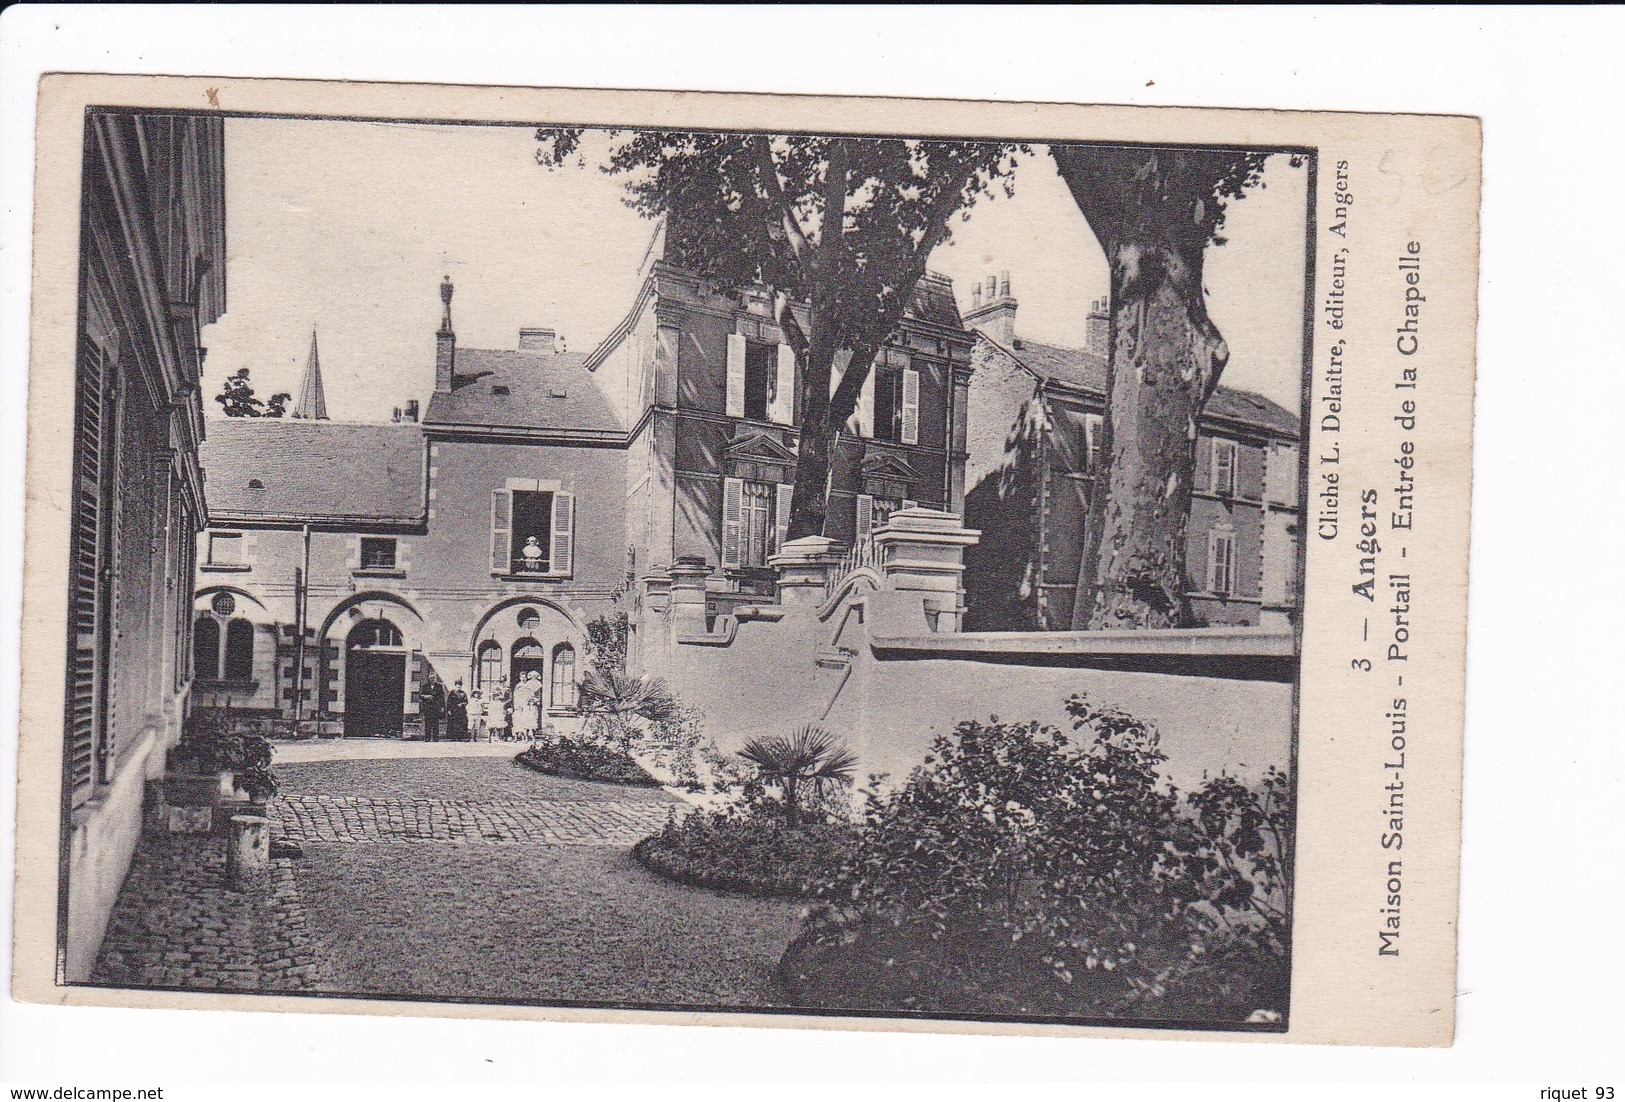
<point x="459" y="876"/>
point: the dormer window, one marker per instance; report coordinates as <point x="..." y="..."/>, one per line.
<point x="255" y="484"/>
<point x="500" y="389"/>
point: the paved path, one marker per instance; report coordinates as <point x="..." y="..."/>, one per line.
<point x="445" y="875"/>
<point x="471" y="876"/>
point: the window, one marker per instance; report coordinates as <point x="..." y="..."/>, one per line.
<point x="760" y="367"/>
<point x="888" y="404"/>
<point x="1221" y="562"/>
<point x="564" y="676"/>
<point x="755" y="523"/>
<point x="895" y="393"/>
<point x="225" y="548"/>
<point x="206" y="649"/>
<point x="239" y="651"/>
<point x="531" y="539"/>
<point x="532" y="531"/>
<point x="529" y="619"/>
<point x="490" y="666"/>
<point x="1094" y="428"/>
<point x="761" y="380"/>
<point x="377" y="553"/>
<point x="227" y="656"/>
<point x="224" y="604"/>
<point x="1224" y="467"/>
<point x="755" y="517"/>
<point x="375" y="634"/>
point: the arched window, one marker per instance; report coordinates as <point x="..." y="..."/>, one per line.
<point x="564" y="676"/>
<point x="206" y="649"/>
<point x="239" y="651"/>
<point x="490" y="667"/>
<point x="374" y="634"/>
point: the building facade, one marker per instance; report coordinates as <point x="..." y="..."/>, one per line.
<point x="542" y="490"/>
<point x="152" y="275"/>
<point x="1035" y="412"/>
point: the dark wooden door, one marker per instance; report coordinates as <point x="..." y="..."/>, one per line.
<point x="374" y="694"/>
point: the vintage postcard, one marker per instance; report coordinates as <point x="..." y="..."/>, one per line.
<point x="765" y="560"/>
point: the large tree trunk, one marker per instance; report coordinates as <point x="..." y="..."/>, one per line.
<point x="1166" y="358"/>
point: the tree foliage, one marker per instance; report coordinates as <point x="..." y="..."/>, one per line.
<point x="751" y="208"/>
<point x="237" y="398"/>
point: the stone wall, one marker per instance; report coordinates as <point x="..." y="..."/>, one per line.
<point x="867" y="645"/>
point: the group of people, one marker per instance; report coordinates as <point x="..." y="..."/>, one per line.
<point x="492" y="715"/>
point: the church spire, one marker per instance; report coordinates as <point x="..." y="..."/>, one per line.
<point x="312" y="403"/>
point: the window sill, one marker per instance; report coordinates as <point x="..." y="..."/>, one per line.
<point x="225" y="567"/>
<point x="377" y="572"/>
<point x="527" y="576"/>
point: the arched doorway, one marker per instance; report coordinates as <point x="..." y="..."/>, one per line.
<point x="528" y="657"/>
<point x="374" y="680"/>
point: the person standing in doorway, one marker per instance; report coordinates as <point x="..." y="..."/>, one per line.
<point x="527" y="712"/>
<point x="432" y="703"/>
<point x="457" y="714"/>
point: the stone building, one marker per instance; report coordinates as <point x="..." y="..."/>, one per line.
<point x="1035" y="413"/>
<point x="152" y="275"/>
<point x="541" y="489"/>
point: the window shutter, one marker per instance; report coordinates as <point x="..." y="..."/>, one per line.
<point x="414" y="695"/>
<point x="866" y="404"/>
<point x="911" y="405"/>
<point x="1213" y="562"/>
<point x="866" y="516"/>
<point x="733" y="492"/>
<point x="561" y="556"/>
<point x="501" y="526"/>
<point x="87" y="585"/>
<point x="736" y="375"/>
<point x="781" y="514"/>
<point x="784" y="388"/>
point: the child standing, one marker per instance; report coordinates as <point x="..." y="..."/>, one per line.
<point x="496" y="713"/>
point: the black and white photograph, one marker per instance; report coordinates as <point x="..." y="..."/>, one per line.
<point x="772" y="571"/>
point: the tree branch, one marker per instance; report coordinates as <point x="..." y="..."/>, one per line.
<point x="775" y="189"/>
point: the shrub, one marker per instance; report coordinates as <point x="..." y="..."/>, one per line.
<point x="751" y="851"/>
<point x="811" y="763"/>
<point x="587" y="761"/>
<point x="674" y="745"/>
<point x="213" y="741"/>
<point x="1016" y="869"/>
<point x="620" y="708"/>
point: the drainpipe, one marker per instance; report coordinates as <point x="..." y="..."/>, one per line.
<point x="301" y="588"/>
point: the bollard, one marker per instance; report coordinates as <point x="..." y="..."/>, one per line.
<point x="249" y="851"/>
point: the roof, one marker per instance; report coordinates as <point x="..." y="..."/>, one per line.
<point x="502" y="388"/>
<point x="1081" y="369"/>
<point x="312" y="401"/>
<point x="312" y="470"/>
<point x="934" y="301"/>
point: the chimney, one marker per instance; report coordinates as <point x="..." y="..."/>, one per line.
<point x="993" y="313"/>
<point x="411" y="412"/>
<point x="1097" y="328"/>
<point x="445" y="344"/>
<point x="538" y="340"/>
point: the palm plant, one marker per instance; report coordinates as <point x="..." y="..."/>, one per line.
<point x="811" y="758"/>
<point x="616" y="701"/>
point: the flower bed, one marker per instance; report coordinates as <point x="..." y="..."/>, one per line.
<point x="755" y="852"/>
<point x="586" y="761"/>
